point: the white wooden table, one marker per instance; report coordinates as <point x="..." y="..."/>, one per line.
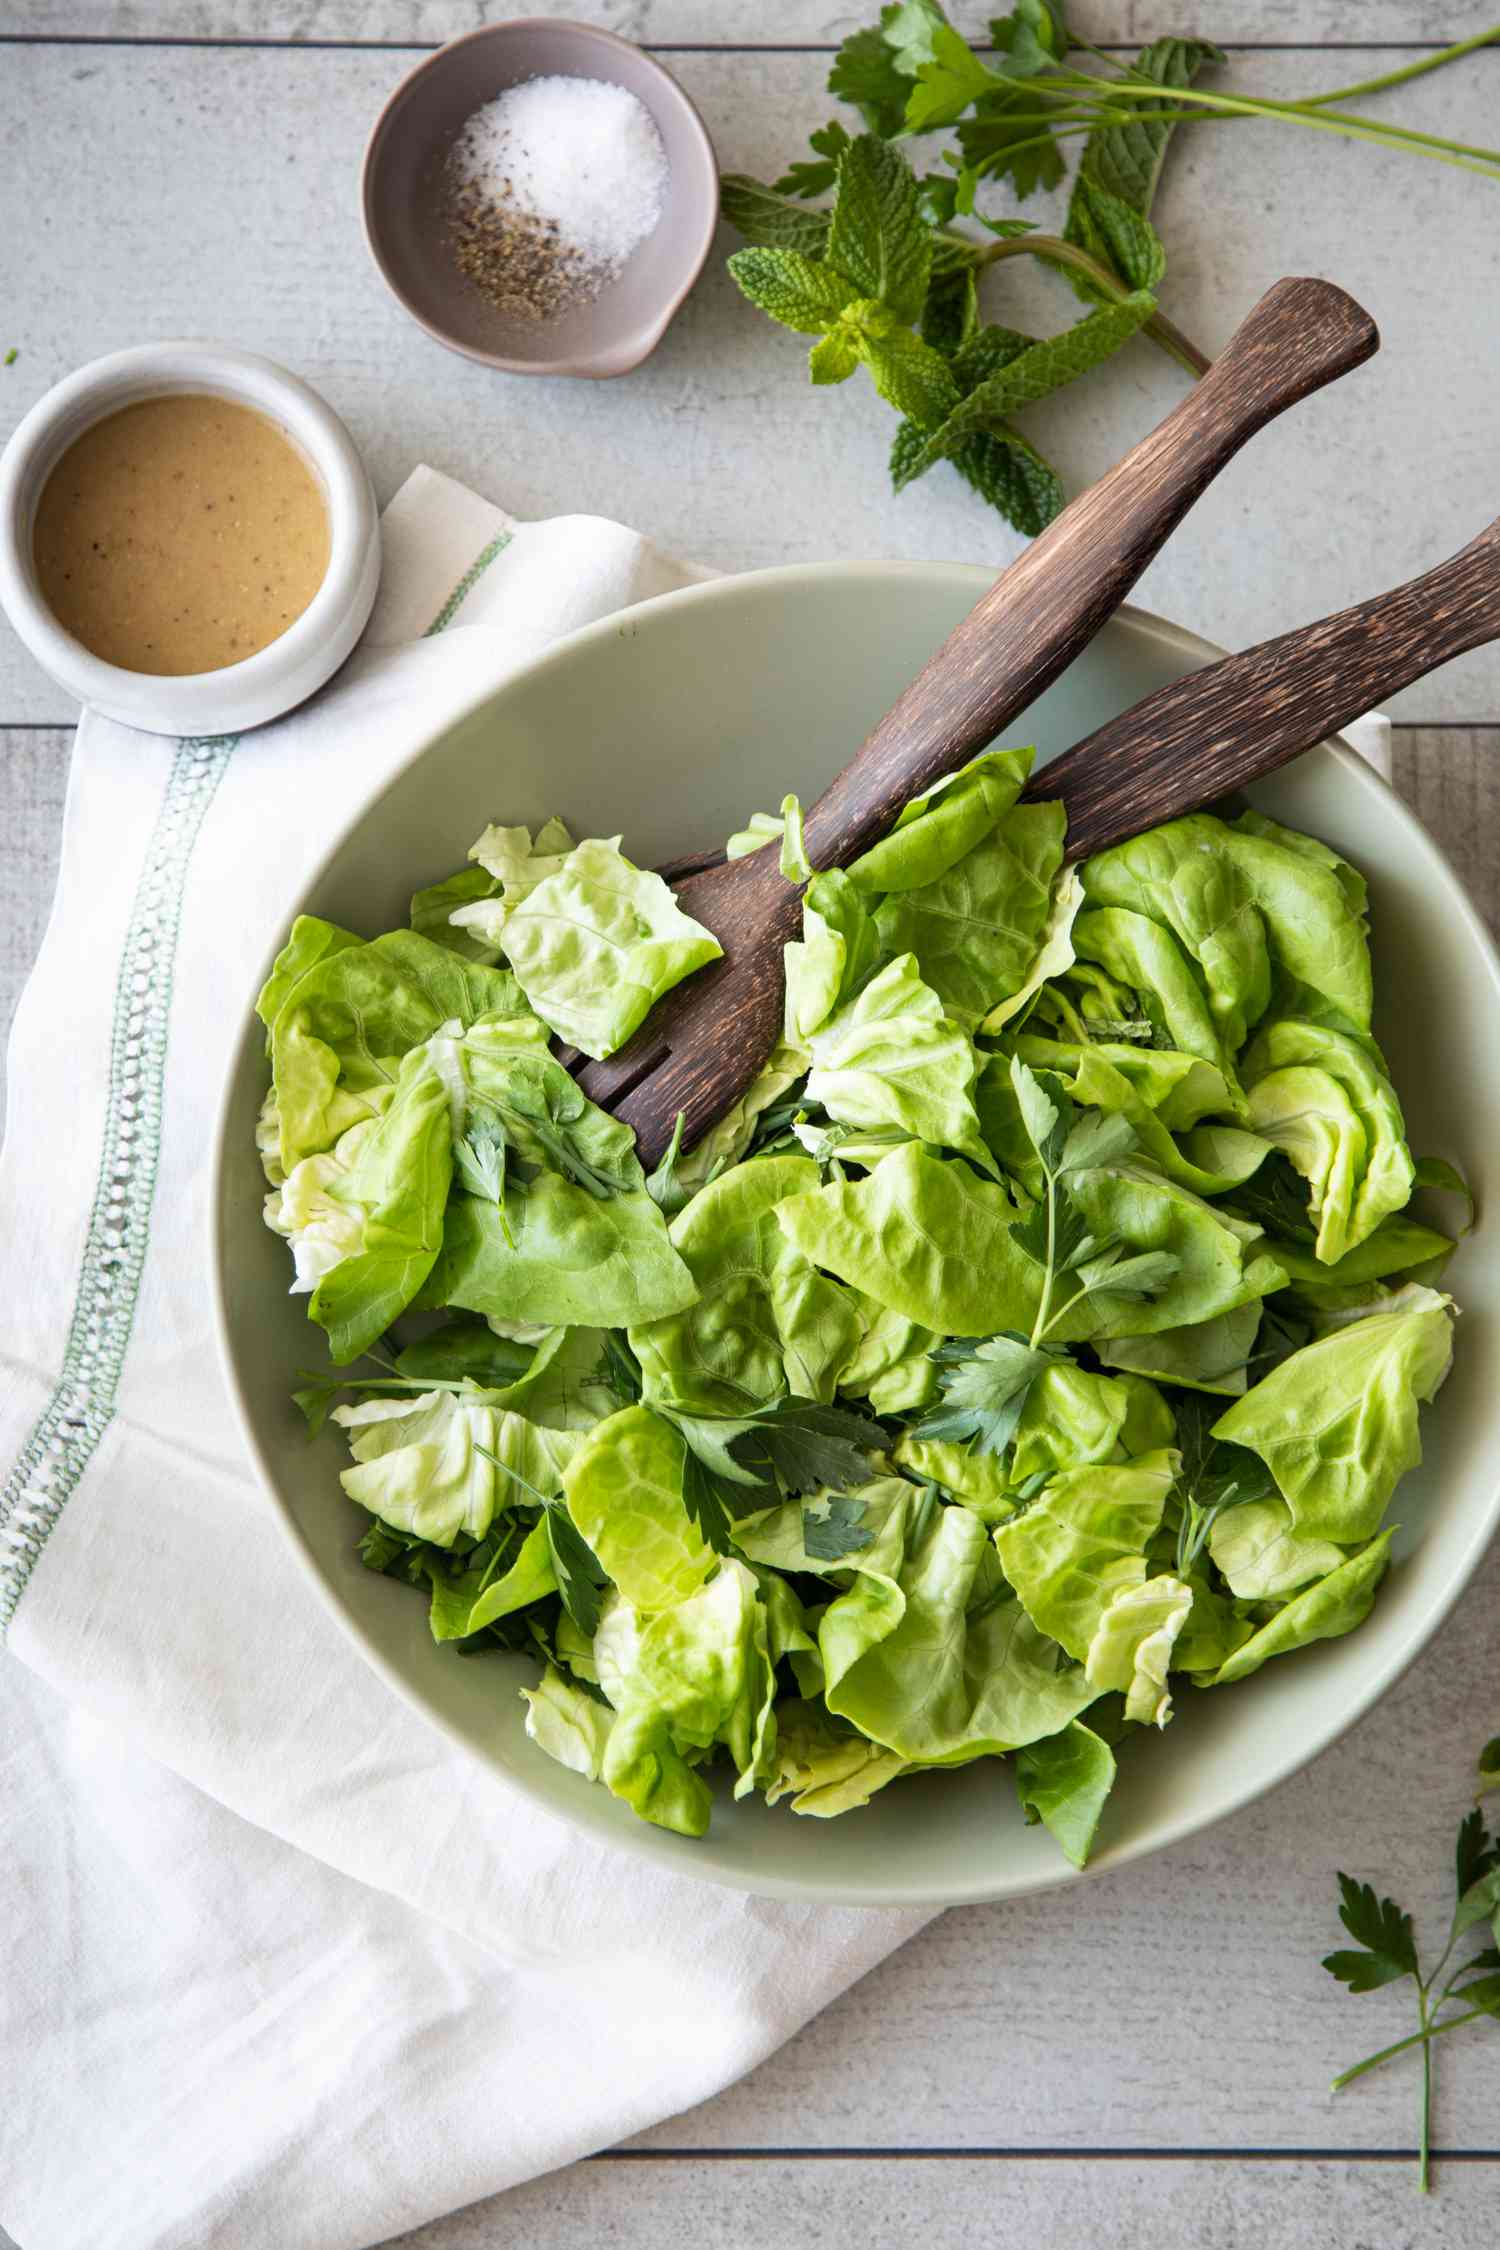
<point x="1147" y="2062"/>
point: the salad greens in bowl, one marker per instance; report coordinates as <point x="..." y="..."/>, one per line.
<point x="1049" y="1342"/>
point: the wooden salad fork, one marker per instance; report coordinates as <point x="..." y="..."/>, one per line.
<point x="704" y="1042"/>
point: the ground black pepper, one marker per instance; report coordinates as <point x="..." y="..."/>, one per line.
<point x="516" y="260"/>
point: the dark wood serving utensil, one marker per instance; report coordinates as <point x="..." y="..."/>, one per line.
<point x="703" y="1044"/>
<point x="1216" y="730"/>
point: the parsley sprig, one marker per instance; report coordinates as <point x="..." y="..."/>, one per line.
<point x="985" y="1381"/>
<point x="1385" y="1952"/>
<point x="887" y="279"/>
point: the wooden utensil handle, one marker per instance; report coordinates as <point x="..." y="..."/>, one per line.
<point x="1215" y="730"/>
<point x="1053" y="599"/>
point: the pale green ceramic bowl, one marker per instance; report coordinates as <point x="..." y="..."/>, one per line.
<point x="670" y="724"/>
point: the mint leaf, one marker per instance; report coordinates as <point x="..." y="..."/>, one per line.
<point x="984" y="1386"/>
<point x="1118" y="173"/>
<point x="914" y="378"/>
<point x="1385" y="1933"/>
<point x="1013" y="477"/>
<point x="1035" y="373"/>
<point x="804" y="179"/>
<point x="987" y="351"/>
<point x="1119" y="237"/>
<point x="802" y="293"/>
<point x="771" y="221"/>
<point x="833" y="357"/>
<point x="1127" y="159"/>
<point x="836" y="1529"/>
<point x="878" y="236"/>
<point x="950" y="317"/>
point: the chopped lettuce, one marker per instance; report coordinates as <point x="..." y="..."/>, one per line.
<point x="1046" y="1326"/>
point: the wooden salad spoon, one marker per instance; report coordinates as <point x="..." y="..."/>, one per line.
<point x="703" y="1044"/>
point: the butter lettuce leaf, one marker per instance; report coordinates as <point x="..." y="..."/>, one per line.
<point x="926" y="1239"/>
<point x="398" y="1182"/>
<point x="975" y="930"/>
<point x="890" y="1057"/>
<point x="1082" y="1541"/>
<point x="1324" y="1102"/>
<point x="1336" y="1423"/>
<point x="1063" y="1781"/>
<point x="826" y="1768"/>
<point x="1321" y="1612"/>
<point x="1133" y="1643"/>
<point x="935" y="831"/>
<point x="440" y="1464"/>
<point x="342" y="1031"/>
<point x="763" y="1320"/>
<point x="568" y="1724"/>
<point x="624" y="1486"/>
<point x="595" y="944"/>
<point x="559" y="1256"/>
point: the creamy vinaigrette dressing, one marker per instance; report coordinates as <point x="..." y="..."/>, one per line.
<point x="180" y="535"/>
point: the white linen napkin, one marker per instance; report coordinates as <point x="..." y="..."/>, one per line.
<point x="280" y="1967"/>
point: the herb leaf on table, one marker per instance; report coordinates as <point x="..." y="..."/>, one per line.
<point x="1385" y="1952"/>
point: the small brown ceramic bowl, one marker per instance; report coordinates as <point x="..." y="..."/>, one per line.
<point x="406" y="228"/>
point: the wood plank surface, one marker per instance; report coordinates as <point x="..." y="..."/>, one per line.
<point x="748" y="23"/>
<point x="856" y="2204"/>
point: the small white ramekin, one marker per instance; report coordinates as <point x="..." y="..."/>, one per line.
<point x="277" y="677"/>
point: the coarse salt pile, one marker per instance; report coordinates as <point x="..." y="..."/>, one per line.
<point x="580" y="157"/>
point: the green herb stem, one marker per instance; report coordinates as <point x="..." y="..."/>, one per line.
<point x="1187" y="100"/>
<point x="1040" y="1325"/>
<point x="1429" y="2032"/>
<point x="1424" y="2161"/>
<point x="380" y="1383"/>
<point x="1407" y="72"/>
<point x="1055" y="251"/>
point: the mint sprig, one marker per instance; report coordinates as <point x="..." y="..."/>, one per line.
<point x="888" y="278"/>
